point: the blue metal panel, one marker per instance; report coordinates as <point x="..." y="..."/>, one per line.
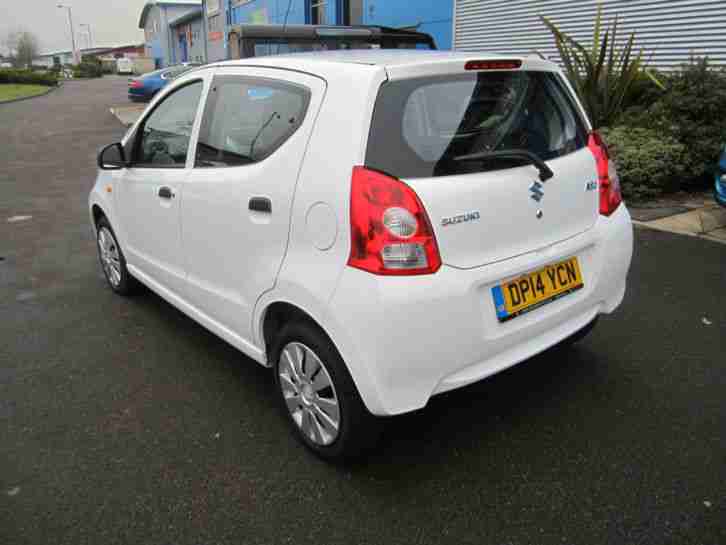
<point x="271" y="11"/>
<point x="432" y="17"/>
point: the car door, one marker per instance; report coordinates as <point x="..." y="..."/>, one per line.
<point x="238" y="197"/>
<point x="151" y="188"/>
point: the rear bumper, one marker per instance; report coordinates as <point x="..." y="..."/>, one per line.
<point x="136" y="93"/>
<point x="408" y="338"/>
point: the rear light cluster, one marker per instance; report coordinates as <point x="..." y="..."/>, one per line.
<point x="608" y="180"/>
<point x="135" y="83"/>
<point x="390" y="231"/>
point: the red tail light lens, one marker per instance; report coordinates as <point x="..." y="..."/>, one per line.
<point x="390" y="231"/>
<point x="135" y="83"/>
<point x="608" y="180"/>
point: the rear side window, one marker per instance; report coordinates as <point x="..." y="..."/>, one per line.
<point x="420" y="126"/>
<point x="247" y="119"/>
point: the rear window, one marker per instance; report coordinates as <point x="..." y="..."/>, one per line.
<point x="420" y="126"/>
<point x="246" y="119"/>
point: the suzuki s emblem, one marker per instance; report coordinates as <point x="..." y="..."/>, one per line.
<point x="537" y="190"/>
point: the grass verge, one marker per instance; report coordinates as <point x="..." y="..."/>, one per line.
<point x="10" y="91"/>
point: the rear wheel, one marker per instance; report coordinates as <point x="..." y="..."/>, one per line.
<point x="318" y="396"/>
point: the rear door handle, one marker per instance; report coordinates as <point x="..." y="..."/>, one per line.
<point x="166" y="193"/>
<point x="261" y="204"/>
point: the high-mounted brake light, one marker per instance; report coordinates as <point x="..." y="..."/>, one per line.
<point x="608" y="180"/>
<point x="512" y="64"/>
<point x="390" y="231"/>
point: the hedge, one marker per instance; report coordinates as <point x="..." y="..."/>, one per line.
<point x="649" y="162"/>
<point x="26" y="76"/>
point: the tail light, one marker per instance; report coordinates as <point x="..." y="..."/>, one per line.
<point x="608" y="180"/>
<point x="135" y="83"/>
<point x="390" y="231"/>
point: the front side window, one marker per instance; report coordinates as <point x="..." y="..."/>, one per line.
<point x="165" y="133"/>
<point x="247" y="119"/>
<point x="421" y="126"/>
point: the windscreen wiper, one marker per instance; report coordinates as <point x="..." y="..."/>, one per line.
<point x="545" y="172"/>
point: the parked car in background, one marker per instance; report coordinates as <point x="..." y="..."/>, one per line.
<point x="720" y="182"/>
<point x="377" y="227"/>
<point x="143" y="88"/>
<point x="124" y="66"/>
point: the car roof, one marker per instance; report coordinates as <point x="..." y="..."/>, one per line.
<point x="394" y="61"/>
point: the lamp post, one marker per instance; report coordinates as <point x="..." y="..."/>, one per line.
<point x="76" y="60"/>
<point x="90" y="36"/>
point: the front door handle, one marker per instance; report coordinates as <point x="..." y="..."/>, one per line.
<point x="166" y="193"/>
<point x="261" y="204"/>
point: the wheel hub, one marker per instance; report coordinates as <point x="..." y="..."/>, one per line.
<point x="307" y="393"/>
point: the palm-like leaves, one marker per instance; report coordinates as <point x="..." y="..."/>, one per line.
<point x="603" y="74"/>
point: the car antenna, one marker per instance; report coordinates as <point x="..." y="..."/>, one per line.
<point x="284" y="24"/>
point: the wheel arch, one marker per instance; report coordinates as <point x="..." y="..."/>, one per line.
<point x="291" y="302"/>
<point x="275" y="315"/>
<point x="97" y="213"/>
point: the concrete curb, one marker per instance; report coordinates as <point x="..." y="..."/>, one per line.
<point x="708" y="222"/>
<point x="50" y="90"/>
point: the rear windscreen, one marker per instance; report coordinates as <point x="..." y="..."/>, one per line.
<point x="421" y="126"/>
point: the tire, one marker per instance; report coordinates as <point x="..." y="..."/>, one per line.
<point x="577" y="336"/>
<point x="113" y="262"/>
<point x="304" y="361"/>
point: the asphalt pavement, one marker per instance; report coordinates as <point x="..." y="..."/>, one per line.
<point x="123" y="421"/>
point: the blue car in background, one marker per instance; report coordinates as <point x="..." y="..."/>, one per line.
<point x="720" y="186"/>
<point x="144" y="87"/>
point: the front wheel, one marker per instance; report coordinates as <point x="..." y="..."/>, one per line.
<point x="113" y="261"/>
<point x="318" y="396"/>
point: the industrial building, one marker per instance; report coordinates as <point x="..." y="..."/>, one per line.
<point x="197" y="30"/>
<point x="672" y="30"/>
<point x="431" y="17"/>
<point x="65" y="57"/>
<point x="166" y="24"/>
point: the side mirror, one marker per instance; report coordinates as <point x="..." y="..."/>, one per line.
<point x="112" y="157"/>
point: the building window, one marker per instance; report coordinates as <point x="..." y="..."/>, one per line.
<point x="317" y="12"/>
<point x="212" y="6"/>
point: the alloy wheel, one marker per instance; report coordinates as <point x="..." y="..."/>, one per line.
<point x="309" y="394"/>
<point x="110" y="257"/>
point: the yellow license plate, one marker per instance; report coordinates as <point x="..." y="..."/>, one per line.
<point x="537" y="288"/>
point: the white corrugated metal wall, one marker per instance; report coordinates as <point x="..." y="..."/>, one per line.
<point x="671" y="29"/>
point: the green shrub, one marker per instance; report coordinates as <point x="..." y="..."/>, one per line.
<point x="642" y="93"/>
<point x="27" y="76"/>
<point x="88" y="69"/>
<point x="649" y="163"/>
<point x="693" y="111"/>
<point x="604" y="72"/>
<point x="689" y="111"/>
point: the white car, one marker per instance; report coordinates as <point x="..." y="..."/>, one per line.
<point x="124" y="66"/>
<point x="377" y="227"/>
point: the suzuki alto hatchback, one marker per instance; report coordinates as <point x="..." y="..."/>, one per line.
<point x="377" y="227"/>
